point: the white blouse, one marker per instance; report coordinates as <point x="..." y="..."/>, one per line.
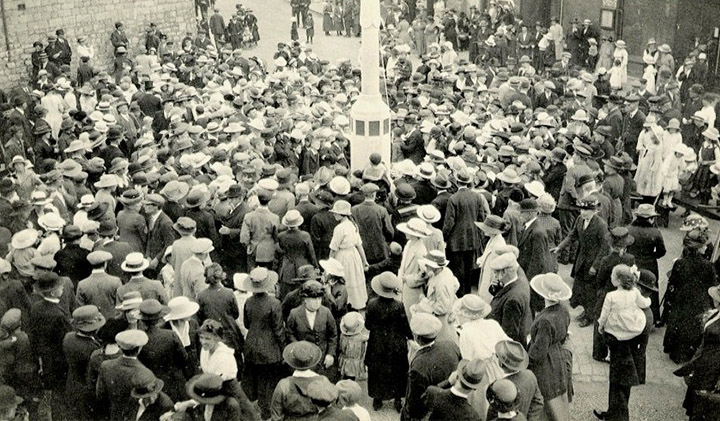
<point x="221" y="362"/>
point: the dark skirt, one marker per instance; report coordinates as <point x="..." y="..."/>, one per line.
<point x="387" y="381"/>
<point x="702" y="179"/>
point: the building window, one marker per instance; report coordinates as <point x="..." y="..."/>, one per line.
<point x="374" y="129"/>
<point x="386" y="126"/>
<point x="359" y="127"/>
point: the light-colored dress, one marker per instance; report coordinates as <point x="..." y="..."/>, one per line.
<point x="649" y="76"/>
<point x="650" y="157"/>
<point x="56" y="107"/>
<point x="622" y="54"/>
<point x="496" y="241"/>
<point x="409" y="273"/>
<point x="352" y="355"/>
<point x="344" y="243"/>
<point x="221" y="362"/>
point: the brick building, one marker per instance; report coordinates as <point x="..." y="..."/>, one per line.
<point x="32" y="20"/>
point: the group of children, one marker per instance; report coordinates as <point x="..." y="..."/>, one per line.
<point x="309" y="25"/>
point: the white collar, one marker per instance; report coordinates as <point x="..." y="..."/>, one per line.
<point x="304" y="373"/>
<point x="530" y="222"/>
<point x="511" y="281"/>
<point x="52" y="300"/>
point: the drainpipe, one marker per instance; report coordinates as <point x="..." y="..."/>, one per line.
<point x="5" y="28"/>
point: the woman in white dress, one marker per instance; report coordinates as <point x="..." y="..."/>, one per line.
<point x="478" y="335"/>
<point x="346" y="247"/>
<point x="622" y="54"/>
<point x="650" y="157"/>
<point x="410" y="272"/>
<point x="493" y="227"/>
<point x="430" y="215"/>
<point x="56" y="106"/>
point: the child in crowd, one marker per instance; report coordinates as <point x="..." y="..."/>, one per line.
<point x="622" y="313"/>
<point x="294" y="30"/>
<point x="353" y="344"/>
<point x="616" y="73"/>
<point x="349" y="395"/>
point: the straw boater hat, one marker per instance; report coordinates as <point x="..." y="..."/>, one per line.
<point x="24" y="239"/>
<point x="645" y="211"/>
<point x="428" y="213"/>
<point x="134" y="262"/>
<point x="260" y="279"/>
<point x="333" y="267"/>
<point x="387" y="285"/>
<point x="551" y="287"/>
<point x="415" y="227"/>
<point x="51" y="222"/>
<point x="181" y="308"/>
<point x="435" y="259"/>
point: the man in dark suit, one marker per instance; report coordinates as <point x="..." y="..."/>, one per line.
<point x="49" y="323"/>
<point x="134" y="265"/>
<point x="547" y="97"/>
<point x="322" y="225"/>
<point x="164" y="353"/>
<point x="374" y="225"/>
<point x="115" y="378"/>
<point x="452" y="403"/>
<point x="161" y="233"/>
<point x="413" y="147"/>
<point x="148" y="102"/>
<point x="306" y="208"/>
<point x="424" y="190"/>
<point x="161" y="119"/>
<point x="593" y="239"/>
<point x="442" y="196"/>
<point x="511" y="303"/>
<point x="433" y="363"/>
<point x="71" y="259"/>
<point x="462" y="236"/>
<point x="632" y="125"/>
<point x="232" y="257"/>
<point x="534" y="246"/>
<point x="314" y="323"/>
<point x="513" y="360"/>
<point x="119" y="249"/>
<point x="614" y="118"/>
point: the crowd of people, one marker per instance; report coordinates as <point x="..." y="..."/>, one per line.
<point x="183" y="237"/>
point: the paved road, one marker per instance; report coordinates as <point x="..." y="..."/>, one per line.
<point x="274" y="25"/>
<point x="661" y="398"/>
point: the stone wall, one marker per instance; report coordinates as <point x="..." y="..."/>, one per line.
<point x="94" y="19"/>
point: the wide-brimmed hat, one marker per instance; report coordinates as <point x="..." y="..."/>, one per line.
<point x="87" y="318"/>
<point x="711" y="133"/>
<point x="206" y="388"/>
<point x="425" y="170"/>
<point x="292" y="218"/>
<point x="134" y="262"/>
<point x="386" y="284"/>
<point x="302" y="355"/>
<point x="24" y="239"/>
<point x="509" y="175"/>
<point x="535" y="188"/>
<point x="106" y="181"/>
<point x="51" y="222"/>
<point x="260" y="279"/>
<point x="693" y="221"/>
<point x="551" y="287"/>
<point x="131" y="197"/>
<point x="96" y="210"/>
<point x="340" y="186"/>
<point x="175" y="190"/>
<point x="492" y="225"/>
<point x="435" y="259"/>
<point x="511" y="355"/>
<point x="441" y="182"/>
<point x="415" y="227"/>
<point x="621" y="237"/>
<point x="645" y="210"/>
<point x="472" y="307"/>
<point x="352" y="323"/>
<point x="130" y="301"/>
<point x="428" y="213"/>
<point x="145" y="384"/>
<point x="341" y="207"/>
<point x="181" y="308"/>
<point x="333" y="267"/>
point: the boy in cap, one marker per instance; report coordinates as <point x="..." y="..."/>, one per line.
<point x="323" y="395"/>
